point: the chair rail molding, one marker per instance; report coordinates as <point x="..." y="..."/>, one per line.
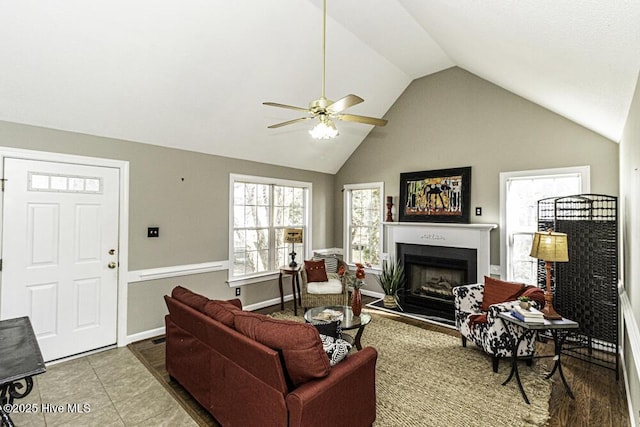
<point x="176" y="271"/>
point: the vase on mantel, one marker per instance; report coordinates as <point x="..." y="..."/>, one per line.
<point x="356" y="302"/>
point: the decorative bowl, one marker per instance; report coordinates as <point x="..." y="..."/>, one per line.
<point x="525" y="305"/>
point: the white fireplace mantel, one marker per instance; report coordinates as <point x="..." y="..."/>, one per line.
<point x="470" y="236"/>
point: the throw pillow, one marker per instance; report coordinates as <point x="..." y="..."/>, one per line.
<point x="336" y="348"/>
<point x="222" y="311"/>
<point x="331" y="329"/>
<point x="193" y="300"/>
<point x="497" y="291"/>
<point x="330" y="262"/>
<point x="299" y="343"/>
<point x="316" y="271"/>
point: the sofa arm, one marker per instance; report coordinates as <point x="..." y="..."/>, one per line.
<point x="347" y="396"/>
<point x="468" y="298"/>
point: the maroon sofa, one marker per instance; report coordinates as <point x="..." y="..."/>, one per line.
<point x="219" y="354"/>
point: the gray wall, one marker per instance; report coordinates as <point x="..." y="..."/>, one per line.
<point x="630" y="204"/>
<point x="449" y="119"/>
<point x="454" y="118"/>
<point x="192" y="213"/>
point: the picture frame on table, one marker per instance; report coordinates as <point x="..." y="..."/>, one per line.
<point x="442" y="195"/>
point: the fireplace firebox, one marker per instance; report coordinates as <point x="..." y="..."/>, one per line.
<point x="431" y="272"/>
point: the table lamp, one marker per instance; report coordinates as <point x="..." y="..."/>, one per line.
<point x="549" y="247"/>
<point x="293" y="236"/>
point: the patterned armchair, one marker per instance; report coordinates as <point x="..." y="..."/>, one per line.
<point x="332" y="292"/>
<point x="491" y="336"/>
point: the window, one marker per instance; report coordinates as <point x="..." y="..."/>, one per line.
<point x="260" y="210"/>
<point x="519" y="195"/>
<point x="363" y="223"/>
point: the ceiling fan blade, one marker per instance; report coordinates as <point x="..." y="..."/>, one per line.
<point x="279" y="125"/>
<point x="290" y="107"/>
<point x="344" y="103"/>
<point x="361" y="119"/>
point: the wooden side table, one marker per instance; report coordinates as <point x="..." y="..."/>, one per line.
<point x="559" y="330"/>
<point x="295" y="282"/>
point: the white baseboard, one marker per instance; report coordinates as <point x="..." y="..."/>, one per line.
<point x="145" y="335"/>
<point x="267" y="303"/>
<point x="151" y="333"/>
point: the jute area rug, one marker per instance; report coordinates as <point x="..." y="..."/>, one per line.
<point x="423" y="378"/>
<point x="426" y="378"/>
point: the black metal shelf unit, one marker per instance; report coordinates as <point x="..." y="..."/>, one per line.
<point x="586" y="288"/>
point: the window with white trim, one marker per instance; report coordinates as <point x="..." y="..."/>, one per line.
<point x="519" y="195"/>
<point x="260" y="210"/>
<point x="363" y="213"/>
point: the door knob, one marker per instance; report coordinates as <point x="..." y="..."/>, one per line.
<point x="112" y="265"/>
<point x="112" y="251"/>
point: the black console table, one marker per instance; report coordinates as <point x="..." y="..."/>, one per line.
<point x="20" y="360"/>
<point x="559" y="330"/>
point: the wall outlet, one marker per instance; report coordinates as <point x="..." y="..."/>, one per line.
<point x="153" y="232"/>
<point x="237" y="292"/>
<point x="478" y="211"/>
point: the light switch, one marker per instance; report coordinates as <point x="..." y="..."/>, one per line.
<point x="153" y="232"/>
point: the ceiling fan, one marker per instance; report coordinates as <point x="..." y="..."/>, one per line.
<point x="324" y="109"/>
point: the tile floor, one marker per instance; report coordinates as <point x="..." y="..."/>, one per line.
<point x="116" y="388"/>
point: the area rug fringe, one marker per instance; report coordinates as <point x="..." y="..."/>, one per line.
<point x="426" y="378"/>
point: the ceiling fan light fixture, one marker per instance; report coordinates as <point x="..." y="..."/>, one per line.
<point x="325" y="129"/>
<point x="323" y="108"/>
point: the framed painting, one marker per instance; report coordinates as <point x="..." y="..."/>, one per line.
<point x="442" y="195"/>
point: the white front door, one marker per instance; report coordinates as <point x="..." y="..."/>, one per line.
<point x="60" y="253"/>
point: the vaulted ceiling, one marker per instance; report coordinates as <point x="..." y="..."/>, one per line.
<point x="193" y="74"/>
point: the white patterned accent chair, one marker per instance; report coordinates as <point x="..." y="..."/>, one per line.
<point x="490" y="335"/>
<point x="332" y="292"/>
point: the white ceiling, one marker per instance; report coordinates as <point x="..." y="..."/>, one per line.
<point x="193" y="74"/>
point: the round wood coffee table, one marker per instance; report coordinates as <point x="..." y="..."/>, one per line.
<point x="347" y="320"/>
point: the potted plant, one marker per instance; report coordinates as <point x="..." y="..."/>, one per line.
<point x="391" y="279"/>
<point x="525" y="302"/>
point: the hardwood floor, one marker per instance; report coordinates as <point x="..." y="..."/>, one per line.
<point x="600" y="400"/>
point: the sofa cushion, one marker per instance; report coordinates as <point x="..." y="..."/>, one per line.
<point x="316" y="271"/>
<point x="336" y="348"/>
<point x="329" y="286"/>
<point x="193" y="300"/>
<point x="222" y="311"/>
<point x="300" y="344"/>
<point x="497" y="291"/>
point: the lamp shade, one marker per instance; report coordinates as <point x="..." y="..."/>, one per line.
<point x="293" y="235"/>
<point x="550" y="246"/>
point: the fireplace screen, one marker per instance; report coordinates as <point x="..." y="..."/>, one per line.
<point x="431" y="273"/>
<point x="434" y="281"/>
